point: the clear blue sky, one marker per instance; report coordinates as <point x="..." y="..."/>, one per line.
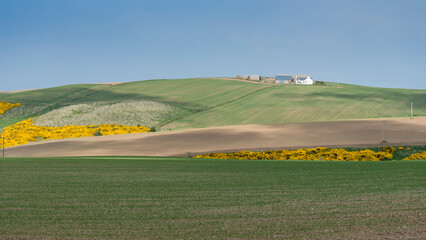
<point x="47" y="43"/>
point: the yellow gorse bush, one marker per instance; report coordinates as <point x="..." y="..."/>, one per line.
<point x="416" y="156"/>
<point x="388" y="149"/>
<point x="320" y="153"/>
<point x="24" y="132"/>
<point x="5" y="106"/>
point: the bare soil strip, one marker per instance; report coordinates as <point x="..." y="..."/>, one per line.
<point x="398" y="131"/>
<point x="17" y="91"/>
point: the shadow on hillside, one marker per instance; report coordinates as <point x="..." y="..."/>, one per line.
<point x="79" y="95"/>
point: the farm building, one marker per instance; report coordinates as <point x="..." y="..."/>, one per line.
<point x="293" y="79"/>
<point x="255" y="77"/>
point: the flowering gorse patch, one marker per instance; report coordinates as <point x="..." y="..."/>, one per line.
<point x="5" y="106"/>
<point x="320" y="153"/>
<point x="416" y="156"/>
<point x="25" y="131"/>
<point x="389" y="149"/>
<point x="128" y="113"/>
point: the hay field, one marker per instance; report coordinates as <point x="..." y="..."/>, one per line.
<point x="176" y="198"/>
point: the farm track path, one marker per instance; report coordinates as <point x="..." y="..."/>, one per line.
<point x="368" y="132"/>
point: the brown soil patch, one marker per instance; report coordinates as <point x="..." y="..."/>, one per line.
<point x="16" y="91"/>
<point x="398" y="131"/>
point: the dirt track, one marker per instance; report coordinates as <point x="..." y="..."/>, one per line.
<point x="250" y="137"/>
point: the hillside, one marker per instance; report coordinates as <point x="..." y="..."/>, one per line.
<point x="203" y="103"/>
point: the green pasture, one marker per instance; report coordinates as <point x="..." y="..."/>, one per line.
<point x="170" y="198"/>
<point x="289" y="104"/>
<point x="217" y="102"/>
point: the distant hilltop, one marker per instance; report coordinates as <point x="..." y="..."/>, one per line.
<point x="175" y="104"/>
<point x="302" y="79"/>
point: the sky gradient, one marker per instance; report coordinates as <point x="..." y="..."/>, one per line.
<point x="48" y="43"/>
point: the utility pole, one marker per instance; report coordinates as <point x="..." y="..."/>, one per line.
<point x="411" y="109"/>
<point x="383" y="132"/>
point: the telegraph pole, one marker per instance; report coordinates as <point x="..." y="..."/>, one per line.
<point x="383" y="132"/>
<point x="411" y="109"/>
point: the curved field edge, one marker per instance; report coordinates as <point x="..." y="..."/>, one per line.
<point x="163" y="198"/>
<point x="403" y="131"/>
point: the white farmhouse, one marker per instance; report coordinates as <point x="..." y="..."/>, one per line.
<point x="304" y="79"/>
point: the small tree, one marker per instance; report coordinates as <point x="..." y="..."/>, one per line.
<point x="98" y="133"/>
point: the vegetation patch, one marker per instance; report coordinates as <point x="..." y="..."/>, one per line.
<point x="5" y="106"/>
<point x="318" y="154"/>
<point x="130" y="113"/>
<point x="416" y="156"/>
<point x="25" y="131"/>
<point x="328" y="154"/>
<point x="399" y="152"/>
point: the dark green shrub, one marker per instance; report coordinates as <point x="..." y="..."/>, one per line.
<point x="98" y="133"/>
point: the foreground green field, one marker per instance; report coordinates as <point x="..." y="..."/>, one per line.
<point x="165" y="198"/>
<point x="216" y="102"/>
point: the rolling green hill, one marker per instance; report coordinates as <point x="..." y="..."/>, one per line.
<point x="217" y="102"/>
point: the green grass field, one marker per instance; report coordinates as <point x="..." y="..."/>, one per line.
<point x="168" y="198"/>
<point x="216" y="102"/>
<point x="288" y="104"/>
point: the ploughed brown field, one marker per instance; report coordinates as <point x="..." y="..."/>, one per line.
<point x="398" y="131"/>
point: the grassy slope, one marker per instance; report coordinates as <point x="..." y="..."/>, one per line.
<point x="47" y="99"/>
<point x="55" y="95"/>
<point x="193" y="94"/>
<point x="215" y="102"/>
<point x="168" y="198"/>
<point x="280" y="104"/>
